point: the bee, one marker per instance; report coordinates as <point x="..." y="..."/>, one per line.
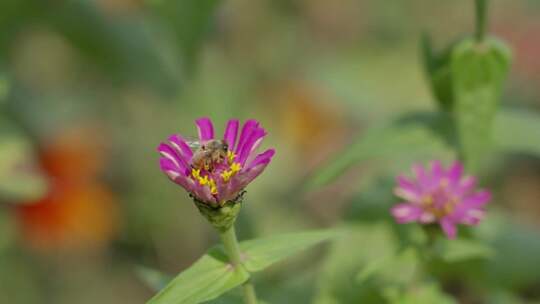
<point x="208" y="154"/>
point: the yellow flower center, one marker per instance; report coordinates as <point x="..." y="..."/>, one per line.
<point x="226" y="175"/>
<point x="230" y="157"/>
<point x="428" y="203"/>
<point x="233" y="169"/>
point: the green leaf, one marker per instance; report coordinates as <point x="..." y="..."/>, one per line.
<point x="463" y="249"/>
<point x="20" y="178"/>
<point x="212" y="275"/>
<point x="478" y="73"/>
<point x="394" y="268"/>
<point x="404" y="138"/>
<point x="360" y="246"/>
<point x="517" y="131"/>
<point x="516" y="264"/>
<point x="261" y="253"/>
<point x="155" y="279"/>
<point x="205" y="280"/>
<point x="428" y="293"/>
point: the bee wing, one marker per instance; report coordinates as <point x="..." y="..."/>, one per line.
<point x="193" y="142"/>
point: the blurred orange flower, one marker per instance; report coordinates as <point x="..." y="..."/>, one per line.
<point x="309" y="118"/>
<point x="79" y="212"/>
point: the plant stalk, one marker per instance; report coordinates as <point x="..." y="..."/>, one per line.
<point x="481" y="7"/>
<point x="230" y="242"/>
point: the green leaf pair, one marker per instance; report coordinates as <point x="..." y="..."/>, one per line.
<point x="212" y="275"/>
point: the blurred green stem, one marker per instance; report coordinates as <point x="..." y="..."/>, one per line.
<point x="230" y="242"/>
<point x="481" y="16"/>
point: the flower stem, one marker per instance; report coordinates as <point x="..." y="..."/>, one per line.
<point x="481" y="16"/>
<point x="230" y="242"/>
<point x="249" y="292"/>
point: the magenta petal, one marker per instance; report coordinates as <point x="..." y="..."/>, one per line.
<point x="449" y="227"/>
<point x="203" y="194"/>
<point x="250" y="144"/>
<point x="264" y="157"/>
<point x="405" y="182"/>
<point x="473" y="217"/>
<point x="247" y="129"/>
<point x="421" y="175"/>
<point x="181" y="180"/>
<point x="477" y="199"/>
<point x="243" y="178"/>
<point x="230" y="133"/>
<point x="427" y="218"/>
<point x="464" y="186"/>
<point x="405" y="213"/>
<point x="176" y="176"/>
<point x="172" y="154"/>
<point x="454" y="172"/>
<point x="166" y="164"/>
<point x="206" y="129"/>
<point x="407" y="190"/>
<point x="436" y="173"/>
<point x="180" y="144"/>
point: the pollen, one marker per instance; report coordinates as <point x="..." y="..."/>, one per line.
<point x="230" y="157"/>
<point x="213" y="187"/>
<point x="196" y="173"/>
<point x="235" y="167"/>
<point x="204" y="180"/>
<point x="427" y="200"/>
<point x="227" y="174"/>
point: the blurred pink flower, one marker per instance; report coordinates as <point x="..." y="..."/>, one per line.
<point x="440" y="195"/>
<point x="227" y="177"/>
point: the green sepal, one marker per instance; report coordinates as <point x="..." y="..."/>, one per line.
<point x="478" y="74"/>
<point x="222" y="217"/>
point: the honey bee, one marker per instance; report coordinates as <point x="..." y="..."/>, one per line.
<point x="208" y="154"/>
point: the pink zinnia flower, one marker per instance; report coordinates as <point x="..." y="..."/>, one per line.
<point x="440" y="195"/>
<point x="227" y="177"/>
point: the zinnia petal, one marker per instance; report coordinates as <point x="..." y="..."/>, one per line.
<point x="407" y="190"/>
<point x="440" y="195"/>
<point x="436" y="173"/>
<point x="216" y="180"/>
<point x="473" y="217"/>
<point x="180" y="144"/>
<point x="172" y="155"/>
<point x="449" y="228"/>
<point x="465" y="185"/>
<point x="231" y="131"/>
<point x="248" y="127"/>
<point x="454" y="172"/>
<point x="477" y="199"/>
<point x="206" y="129"/>
<point x="405" y="213"/>
<point x="251" y="144"/>
<point x="421" y="176"/>
<point x="264" y="157"/>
